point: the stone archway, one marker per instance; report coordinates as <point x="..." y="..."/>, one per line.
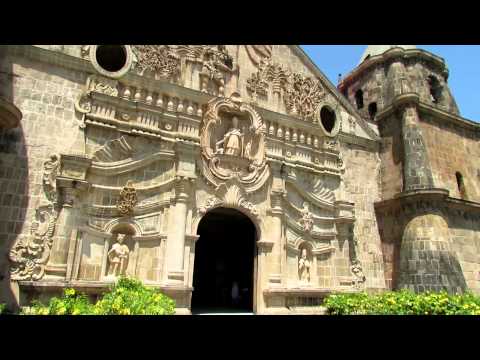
<point x="225" y="254"/>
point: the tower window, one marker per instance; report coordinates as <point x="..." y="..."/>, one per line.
<point x="359" y="98"/>
<point x="372" y="110"/>
<point x="435" y="88"/>
<point x="461" y="185"/>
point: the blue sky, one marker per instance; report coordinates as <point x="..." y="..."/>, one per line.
<point x="463" y="62"/>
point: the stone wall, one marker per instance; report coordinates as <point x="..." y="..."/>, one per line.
<point x="45" y="94"/>
<point x="452" y="148"/>
<point x="362" y="186"/>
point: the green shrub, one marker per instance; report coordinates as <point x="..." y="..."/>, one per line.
<point x="3" y="308"/>
<point x="70" y="303"/>
<point x="131" y="297"/>
<point x="126" y="297"/>
<point x="403" y="303"/>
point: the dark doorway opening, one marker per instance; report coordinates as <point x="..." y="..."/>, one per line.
<point x="224" y="255"/>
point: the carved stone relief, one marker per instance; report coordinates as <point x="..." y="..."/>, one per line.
<point x="229" y="195"/>
<point x="358" y="276"/>
<point x="30" y="257"/>
<point x="128" y="199"/>
<point x="160" y="59"/>
<point x="306" y="221"/>
<point x="303" y="96"/>
<point x="257" y="53"/>
<point x="233" y="143"/>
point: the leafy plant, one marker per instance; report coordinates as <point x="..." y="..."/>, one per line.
<point x="3" y="308"/>
<point x="131" y="297"/>
<point x="126" y="297"/>
<point x="403" y="303"/>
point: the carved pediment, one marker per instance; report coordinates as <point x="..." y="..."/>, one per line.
<point x="233" y="143"/>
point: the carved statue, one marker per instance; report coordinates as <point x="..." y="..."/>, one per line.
<point x="118" y="257"/>
<point x="304" y="268"/>
<point x="232" y="140"/>
<point x="307" y="218"/>
<point x="357" y="271"/>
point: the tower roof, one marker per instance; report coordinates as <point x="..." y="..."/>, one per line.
<point x="374" y="50"/>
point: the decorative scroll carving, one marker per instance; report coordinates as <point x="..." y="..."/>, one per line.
<point x="30" y="257"/>
<point x="257" y="53"/>
<point x="233" y="197"/>
<point x="303" y="96"/>
<point x="233" y="143"/>
<point x="160" y="59"/>
<point x="128" y="199"/>
<point x="306" y="220"/>
<point x="102" y="85"/>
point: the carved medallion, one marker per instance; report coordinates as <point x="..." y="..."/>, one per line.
<point x="233" y="143"/>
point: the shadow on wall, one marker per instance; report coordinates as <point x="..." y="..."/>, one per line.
<point x="14" y="185"/>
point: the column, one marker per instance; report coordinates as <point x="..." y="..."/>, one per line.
<point x="57" y="263"/>
<point x="275" y="235"/>
<point x="176" y="232"/>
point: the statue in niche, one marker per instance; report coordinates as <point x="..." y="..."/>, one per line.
<point x="118" y="257"/>
<point x="307" y="218"/>
<point x="304" y="268"/>
<point x="232" y="140"/>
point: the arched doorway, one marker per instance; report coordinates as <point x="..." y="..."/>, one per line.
<point x="225" y="254"/>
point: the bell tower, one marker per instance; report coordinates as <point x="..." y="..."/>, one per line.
<point x="400" y="90"/>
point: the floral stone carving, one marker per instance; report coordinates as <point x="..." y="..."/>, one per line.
<point x="30" y="257"/>
<point x="233" y="143"/>
<point x="128" y="199"/>
<point x="267" y="73"/>
<point x="303" y="96"/>
<point x="160" y="59"/>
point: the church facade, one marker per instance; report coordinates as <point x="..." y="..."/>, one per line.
<point x="233" y="174"/>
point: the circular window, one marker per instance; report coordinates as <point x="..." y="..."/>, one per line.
<point x="111" y="60"/>
<point x="328" y="120"/>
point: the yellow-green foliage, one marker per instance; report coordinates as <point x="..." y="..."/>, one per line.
<point x="126" y="297"/>
<point x="403" y="303"/>
<point x="2" y="308"/>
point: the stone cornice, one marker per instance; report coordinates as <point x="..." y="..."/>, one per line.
<point x="413" y="98"/>
<point x="441" y="195"/>
<point x="394" y="53"/>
